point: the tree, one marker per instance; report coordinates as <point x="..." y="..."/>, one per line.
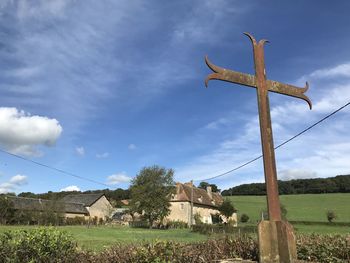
<point x="6" y="210"/>
<point x="227" y="209"/>
<point x="331" y="216"/>
<point x="204" y="185"/>
<point x="151" y="192"/>
<point x="244" y="218"/>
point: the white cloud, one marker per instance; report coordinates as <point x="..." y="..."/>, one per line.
<point x="132" y="147"/>
<point x="292" y="174"/>
<point x="29" y="9"/>
<point x="13" y="184"/>
<point x="21" y="133"/>
<point x="80" y="151"/>
<point x="118" y="178"/>
<point x="70" y="188"/>
<point x="102" y="155"/>
<point x="342" y="70"/>
<point x="204" y="20"/>
<point x="18" y="179"/>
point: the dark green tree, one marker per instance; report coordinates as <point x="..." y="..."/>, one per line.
<point x="331" y="216"/>
<point x="214" y="187"/>
<point x="151" y="192"/>
<point x="227" y="209"/>
<point x="6" y="210"/>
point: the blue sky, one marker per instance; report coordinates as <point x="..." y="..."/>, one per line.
<point x="103" y="88"/>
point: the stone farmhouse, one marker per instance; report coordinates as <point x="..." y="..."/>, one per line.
<point x="97" y="205"/>
<point x="74" y="205"/>
<point x="205" y="203"/>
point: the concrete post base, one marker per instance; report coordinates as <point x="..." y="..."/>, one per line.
<point x="277" y="242"/>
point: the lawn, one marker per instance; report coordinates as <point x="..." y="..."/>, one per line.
<point x="96" y="238"/>
<point x="307" y="207"/>
<point x="300" y="208"/>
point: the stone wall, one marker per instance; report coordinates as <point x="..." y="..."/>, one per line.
<point x="181" y="211"/>
<point x="101" y="208"/>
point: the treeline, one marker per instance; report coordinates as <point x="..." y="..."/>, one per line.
<point x="112" y="195"/>
<point x="337" y="184"/>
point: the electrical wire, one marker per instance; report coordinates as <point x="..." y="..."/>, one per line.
<point x="278" y="146"/>
<point x="207" y="179"/>
<point x="54" y="168"/>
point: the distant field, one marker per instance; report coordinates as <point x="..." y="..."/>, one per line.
<point x="307" y="207"/>
<point x="96" y="238"/>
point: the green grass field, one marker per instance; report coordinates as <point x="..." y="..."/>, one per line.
<point x="308" y="207"/>
<point x="300" y="208"/>
<point x="96" y="238"/>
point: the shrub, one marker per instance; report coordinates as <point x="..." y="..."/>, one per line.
<point x="168" y="251"/>
<point x="37" y="245"/>
<point x="284" y="212"/>
<point x="323" y="248"/>
<point x="78" y="220"/>
<point x="223" y="228"/>
<point x="177" y="224"/>
<point x="331" y="216"/>
<point x="216" y="218"/>
<point x="244" y="218"/>
<point x="197" y="219"/>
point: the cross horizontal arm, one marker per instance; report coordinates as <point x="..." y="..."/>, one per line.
<point x="289" y="90"/>
<point x="229" y="75"/>
<point x="250" y="81"/>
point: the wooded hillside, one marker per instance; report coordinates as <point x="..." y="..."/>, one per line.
<point x="337" y="184"/>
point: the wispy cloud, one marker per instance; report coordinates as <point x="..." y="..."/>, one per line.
<point x="118" y="179"/>
<point x="132" y="147"/>
<point x="13" y="184"/>
<point x="102" y="155"/>
<point x="80" y="151"/>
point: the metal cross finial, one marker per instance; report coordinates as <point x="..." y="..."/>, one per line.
<point x="262" y="85"/>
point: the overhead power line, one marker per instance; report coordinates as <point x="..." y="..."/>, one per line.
<point x="278" y="146"/>
<point x="207" y="179"/>
<point x="54" y="168"/>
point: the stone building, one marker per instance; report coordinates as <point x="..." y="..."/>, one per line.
<point x="74" y="205"/>
<point x="205" y="203"/>
<point x="97" y="205"/>
<point x="68" y="210"/>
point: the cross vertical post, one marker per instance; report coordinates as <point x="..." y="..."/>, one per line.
<point x="276" y="237"/>
<point x="273" y="203"/>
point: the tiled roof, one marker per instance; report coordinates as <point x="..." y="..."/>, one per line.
<point x="32" y="204"/>
<point x="200" y="196"/>
<point x="85" y="199"/>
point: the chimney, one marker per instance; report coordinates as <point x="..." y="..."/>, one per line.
<point x="209" y="192"/>
<point x="190" y="184"/>
<point x="178" y="186"/>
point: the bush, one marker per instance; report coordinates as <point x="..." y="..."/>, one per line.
<point x="177" y="224"/>
<point x="197" y="219"/>
<point x="37" y="245"/>
<point x="314" y="248"/>
<point x="207" y="229"/>
<point x="216" y="218"/>
<point x="244" y="218"/>
<point x="78" y="220"/>
<point x="331" y="216"/>
<point x="323" y="248"/>
<point x="168" y="251"/>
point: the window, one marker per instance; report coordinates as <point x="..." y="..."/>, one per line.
<point x="182" y="206"/>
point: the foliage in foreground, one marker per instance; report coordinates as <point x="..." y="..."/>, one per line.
<point x="37" y="245"/>
<point x="50" y="245"/>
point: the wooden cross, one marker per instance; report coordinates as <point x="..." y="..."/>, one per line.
<point x="262" y="86"/>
